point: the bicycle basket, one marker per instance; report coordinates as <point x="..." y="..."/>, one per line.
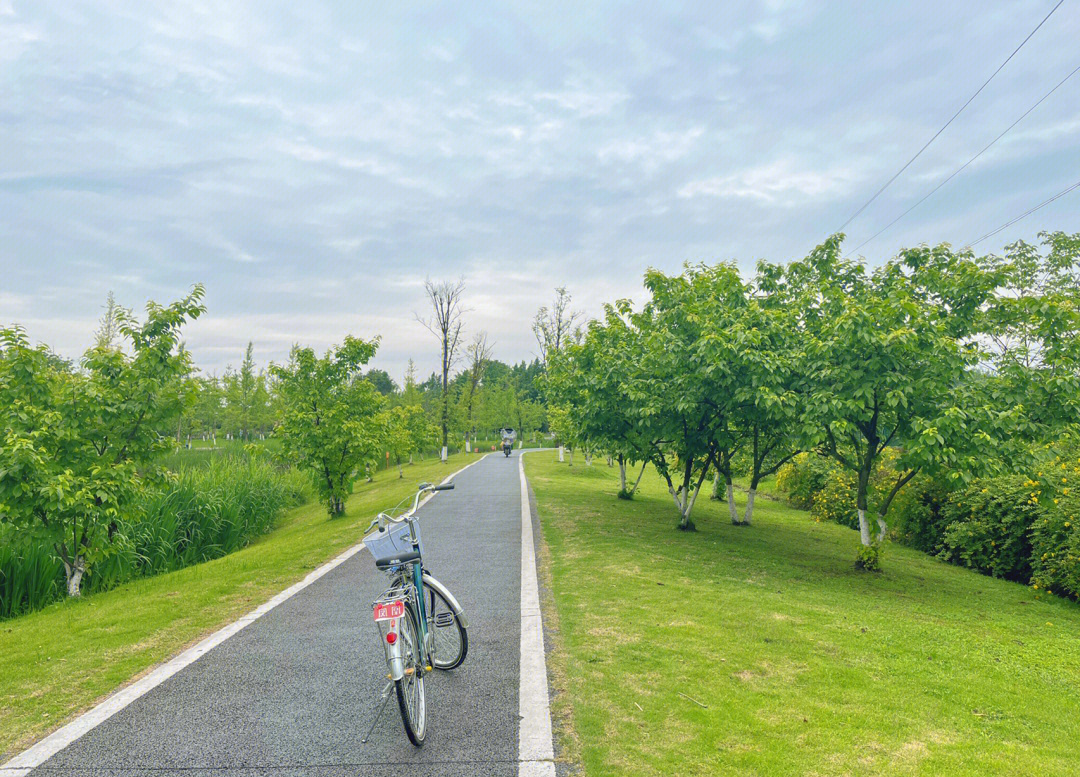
<point x="389" y="544"/>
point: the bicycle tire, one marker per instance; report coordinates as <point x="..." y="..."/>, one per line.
<point x="412" y="700"/>
<point x="448" y="654"/>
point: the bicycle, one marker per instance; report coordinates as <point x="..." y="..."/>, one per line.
<point x="421" y="625"/>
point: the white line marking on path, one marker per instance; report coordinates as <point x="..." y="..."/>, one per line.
<point x="536" y="753"/>
<point x="20" y="765"/>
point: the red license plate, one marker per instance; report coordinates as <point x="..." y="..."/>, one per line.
<point x="386" y="611"/>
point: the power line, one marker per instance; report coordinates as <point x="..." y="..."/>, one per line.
<point x="950" y="121"/>
<point x="963" y="166"/>
<point x="1024" y="215"/>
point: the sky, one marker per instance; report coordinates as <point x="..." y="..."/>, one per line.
<point x="312" y="163"/>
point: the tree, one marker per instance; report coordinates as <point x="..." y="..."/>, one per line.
<point x="555" y="325"/>
<point x="479" y="353"/>
<point x="330" y="423"/>
<point x="590" y="380"/>
<point x="382" y="382"/>
<point x="241" y="395"/>
<point x="1033" y="328"/>
<point x="446" y="324"/>
<point x="79" y="445"/>
<point x="752" y="343"/>
<point x="408" y="431"/>
<point x="889" y="354"/>
<point x="108" y="332"/>
<point x="677" y="391"/>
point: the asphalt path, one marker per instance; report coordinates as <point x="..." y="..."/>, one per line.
<point x="295" y="691"/>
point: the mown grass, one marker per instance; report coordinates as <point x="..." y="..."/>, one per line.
<point x="805" y="666"/>
<point x="62" y="659"/>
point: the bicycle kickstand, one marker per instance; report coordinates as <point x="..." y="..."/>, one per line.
<point x="378" y="713"/>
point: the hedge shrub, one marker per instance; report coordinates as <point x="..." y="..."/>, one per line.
<point x="989" y="524"/>
<point x="1055" y="536"/>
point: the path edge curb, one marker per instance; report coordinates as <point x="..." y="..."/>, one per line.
<point x="536" y="749"/>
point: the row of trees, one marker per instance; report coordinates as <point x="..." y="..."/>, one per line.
<point x="81" y="442"/>
<point x="954" y="362"/>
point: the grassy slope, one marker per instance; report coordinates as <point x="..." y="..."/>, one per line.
<point x="60" y="660"/>
<point x="806" y="666"/>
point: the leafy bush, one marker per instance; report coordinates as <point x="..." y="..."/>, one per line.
<point x="206" y="511"/>
<point x="836" y="501"/>
<point x="803" y="478"/>
<point x="918" y="517"/>
<point x="1055" y="537"/>
<point x="868" y="558"/>
<point x="989" y="523"/>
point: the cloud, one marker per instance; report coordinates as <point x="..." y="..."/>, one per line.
<point x="312" y="165"/>
<point x="781" y="182"/>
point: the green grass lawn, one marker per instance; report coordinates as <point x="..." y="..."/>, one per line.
<point x="805" y="666"/>
<point x="62" y="659"/>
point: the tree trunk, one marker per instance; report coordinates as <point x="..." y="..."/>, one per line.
<point x="749" y="506"/>
<point x="861" y="505"/>
<point x="561" y="459"/>
<point x="74" y="575"/>
<point x="571" y="457"/>
<point x="716" y="491"/>
<point x="622" y="475"/>
<point x="864" y="527"/>
<point x="733" y="512"/>
<point x="588" y="458"/>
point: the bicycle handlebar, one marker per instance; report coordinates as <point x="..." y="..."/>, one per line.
<point x="382" y="518"/>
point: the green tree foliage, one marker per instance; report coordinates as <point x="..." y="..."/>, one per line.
<point x="330" y="422"/>
<point x="589" y="382"/>
<point x="408" y="431"/>
<point x="1033" y="327"/>
<point x="888" y="354"/>
<point x="78" y="445"/>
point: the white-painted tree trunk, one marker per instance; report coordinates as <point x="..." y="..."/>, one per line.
<point x="684" y="500"/>
<point x="588" y="459"/>
<point x="75" y="575"/>
<point x="882" y="527"/>
<point x="749" y="505"/>
<point x="444" y="453"/>
<point x="732" y="510"/>
<point x="622" y="476"/>
<point x="571" y="462"/>
<point x="864" y="527"/>
<point x="468" y="446"/>
<point x="561" y="454"/>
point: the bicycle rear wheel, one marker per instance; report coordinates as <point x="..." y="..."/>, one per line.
<point x="410" y="688"/>
<point x="450" y="636"/>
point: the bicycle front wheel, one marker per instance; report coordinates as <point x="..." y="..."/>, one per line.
<point x="448" y="633"/>
<point x="410" y="688"/>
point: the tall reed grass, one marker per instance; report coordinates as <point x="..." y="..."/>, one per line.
<point x="213" y="507"/>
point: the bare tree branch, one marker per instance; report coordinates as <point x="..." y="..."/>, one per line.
<point x="446" y="324"/>
<point x="554" y="326"/>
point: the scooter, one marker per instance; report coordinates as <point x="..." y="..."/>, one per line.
<point x="508" y="445"/>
